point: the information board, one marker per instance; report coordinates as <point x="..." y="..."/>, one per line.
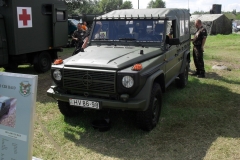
<point x="17" y="107"/>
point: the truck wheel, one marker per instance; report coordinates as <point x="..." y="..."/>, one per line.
<point x="42" y="62"/>
<point x="68" y="110"/>
<point x="182" y="80"/>
<point x="147" y="120"/>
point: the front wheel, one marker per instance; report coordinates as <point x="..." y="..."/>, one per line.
<point x="147" y="120"/>
<point x="67" y="110"/>
<point x="182" y="79"/>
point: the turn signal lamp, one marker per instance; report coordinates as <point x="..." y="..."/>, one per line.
<point x="137" y="67"/>
<point x="58" y="61"/>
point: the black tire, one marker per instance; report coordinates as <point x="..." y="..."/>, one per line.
<point x="147" y="120"/>
<point x="182" y="79"/>
<point x="68" y="110"/>
<point x="42" y="62"/>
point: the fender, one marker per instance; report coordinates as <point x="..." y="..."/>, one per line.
<point x="146" y="90"/>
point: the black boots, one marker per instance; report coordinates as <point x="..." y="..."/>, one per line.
<point x="199" y="74"/>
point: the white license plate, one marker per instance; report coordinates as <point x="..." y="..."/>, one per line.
<point x="84" y="103"/>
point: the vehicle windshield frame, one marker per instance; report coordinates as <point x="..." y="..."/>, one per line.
<point x="110" y="29"/>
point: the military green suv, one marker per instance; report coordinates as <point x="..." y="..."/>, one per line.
<point x="130" y="61"/>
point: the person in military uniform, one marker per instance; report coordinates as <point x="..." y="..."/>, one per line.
<point x="170" y="35"/>
<point x="78" y="36"/>
<point x="198" y="48"/>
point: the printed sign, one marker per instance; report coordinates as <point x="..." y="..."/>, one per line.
<point x="103" y="35"/>
<point x="24" y="16"/>
<point x="17" y="108"/>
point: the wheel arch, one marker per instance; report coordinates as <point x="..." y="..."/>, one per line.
<point x="157" y="77"/>
<point x="160" y="79"/>
<point x="186" y="58"/>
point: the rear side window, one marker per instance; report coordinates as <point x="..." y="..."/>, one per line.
<point x="186" y="26"/>
<point x="182" y="27"/>
<point x="61" y="15"/>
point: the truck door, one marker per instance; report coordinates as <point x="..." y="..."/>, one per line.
<point x="3" y="43"/>
<point x="60" y="25"/>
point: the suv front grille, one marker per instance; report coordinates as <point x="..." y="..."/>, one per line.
<point x="85" y="80"/>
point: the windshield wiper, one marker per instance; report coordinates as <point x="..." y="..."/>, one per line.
<point x="131" y="39"/>
<point x="101" y="39"/>
<point x="128" y="39"/>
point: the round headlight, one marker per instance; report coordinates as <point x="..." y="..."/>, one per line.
<point x="127" y="81"/>
<point x="57" y="75"/>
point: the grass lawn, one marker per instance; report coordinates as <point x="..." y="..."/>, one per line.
<point x="201" y="121"/>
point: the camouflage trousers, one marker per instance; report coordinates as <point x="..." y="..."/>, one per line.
<point x="198" y="59"/>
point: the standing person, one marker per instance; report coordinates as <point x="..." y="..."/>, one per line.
<point x="84" y="26"/>
<point x="198" y="48"/>
<point x="170" y="35"/>
<point x="78" y="36"/>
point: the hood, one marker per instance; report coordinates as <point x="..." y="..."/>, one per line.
<point x="110" y="57"/>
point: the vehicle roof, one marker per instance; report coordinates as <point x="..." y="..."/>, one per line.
<point x="3" y="98"/>
<point x="156" y="13"/>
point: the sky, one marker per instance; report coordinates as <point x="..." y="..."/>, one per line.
<point x="194" y="5"/>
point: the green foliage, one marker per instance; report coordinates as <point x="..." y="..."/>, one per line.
<point x="157" y="4"/>
<point x="97" y="6"/>
<point x="106" y="6"/>
<point x="85" y="6"/>
<point x="238" y="16"/>
<point x="73" y="6"/>
<point x="127" y="5"/>
<point x="200" y="12"/>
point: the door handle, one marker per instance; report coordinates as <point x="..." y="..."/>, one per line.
<point x="165" y="60"/>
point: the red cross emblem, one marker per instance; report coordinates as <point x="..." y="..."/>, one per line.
<point x="24" y="17"/>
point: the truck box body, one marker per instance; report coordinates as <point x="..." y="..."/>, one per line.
<point x="43" y="26"/>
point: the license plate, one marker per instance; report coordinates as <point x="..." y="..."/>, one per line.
<point x="84" y="103"/>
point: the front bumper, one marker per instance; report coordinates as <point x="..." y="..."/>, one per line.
<point x="131" y="104"/>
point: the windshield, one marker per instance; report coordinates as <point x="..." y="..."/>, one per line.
<point x="129" y="30"/>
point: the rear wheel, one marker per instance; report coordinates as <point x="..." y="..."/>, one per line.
<point x="42" y="62"/>
<point x="67" y="110"/>
<point x="182" y="80"/>
<point x="147" y="120"/>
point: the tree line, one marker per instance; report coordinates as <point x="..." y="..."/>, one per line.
<point x="105" y="6"/>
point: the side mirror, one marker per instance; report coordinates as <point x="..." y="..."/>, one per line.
<point x="173" y="41"/>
